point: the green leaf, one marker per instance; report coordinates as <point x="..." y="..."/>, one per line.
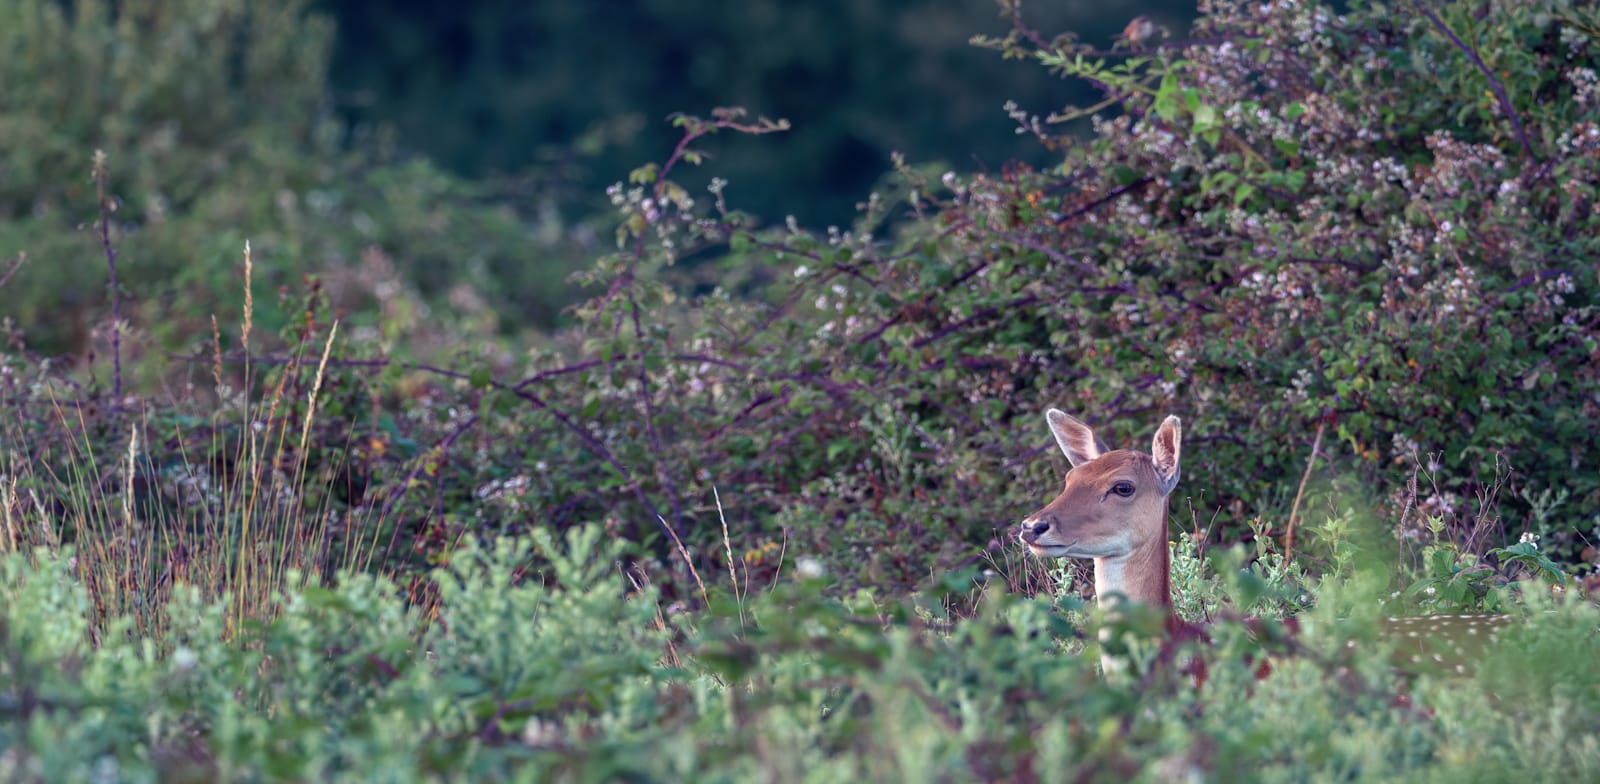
<point x="644" y="175"/>
<point x="1166" y="101"/>
<point x="837" y="448"/>
<point x="1125" y="175"/>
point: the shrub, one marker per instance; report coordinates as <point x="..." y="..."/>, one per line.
<point x="1273" y="230"/>
<point x="1267" y="236"/>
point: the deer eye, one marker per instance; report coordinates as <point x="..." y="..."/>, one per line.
<point x="1124" y="489"/>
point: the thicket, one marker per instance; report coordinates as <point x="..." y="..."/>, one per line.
<point x="1375" y="227"/>
<point x="1370" y="233"/>
<point x="1354" y="252"/>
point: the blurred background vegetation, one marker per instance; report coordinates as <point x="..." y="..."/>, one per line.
<point x="458" y="150"/>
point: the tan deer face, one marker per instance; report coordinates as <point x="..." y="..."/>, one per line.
<point x="1114" y="502"/>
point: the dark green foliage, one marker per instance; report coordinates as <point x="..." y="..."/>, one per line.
<point x="1267" y="236"/>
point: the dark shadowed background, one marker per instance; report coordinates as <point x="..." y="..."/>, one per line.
<point x="502" y="87"/>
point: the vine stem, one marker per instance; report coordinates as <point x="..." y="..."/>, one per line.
<point x="1495" y="86"/>
<point x="101" y="174"/>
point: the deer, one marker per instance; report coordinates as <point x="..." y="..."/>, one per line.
<point x="1113" y="509"/>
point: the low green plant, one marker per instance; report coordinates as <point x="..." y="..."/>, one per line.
<point x="1455" y="581"/>
<point x="1220" y="582"/>
<point x="546" y="662"/>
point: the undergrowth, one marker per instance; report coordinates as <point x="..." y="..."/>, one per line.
<point x="571" y="672"/>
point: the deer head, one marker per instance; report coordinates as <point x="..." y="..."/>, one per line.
<point x="1113" y="509"/>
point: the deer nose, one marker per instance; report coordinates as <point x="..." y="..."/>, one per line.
<point x="1033" y="529"/>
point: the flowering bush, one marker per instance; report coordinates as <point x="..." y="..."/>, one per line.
<point x="1294" y="221"/>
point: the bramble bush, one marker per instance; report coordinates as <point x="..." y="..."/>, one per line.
<point x="1296" y="223"/>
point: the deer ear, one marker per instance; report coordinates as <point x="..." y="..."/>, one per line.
<point x="1075" y="438"/>
<point x="1168" y="443"/>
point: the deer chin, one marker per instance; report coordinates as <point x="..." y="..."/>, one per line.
<point x="1077" y="548"/>
<point x="1113" y="547"/>
<point x="1050" y="550"/>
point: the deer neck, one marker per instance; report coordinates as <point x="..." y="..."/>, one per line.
<point x="1141" y="576"/>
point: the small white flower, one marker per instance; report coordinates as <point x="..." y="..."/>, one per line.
<point x="1529" y="537"/>
<point x="538" y="732"/>
<point x="809" y="568"/>
<point x="184" y="658"/>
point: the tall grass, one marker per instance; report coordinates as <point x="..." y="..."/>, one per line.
<point x="212" y="491"/>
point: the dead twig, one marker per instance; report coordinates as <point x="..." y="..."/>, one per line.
<point x="1294" y="510"/>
